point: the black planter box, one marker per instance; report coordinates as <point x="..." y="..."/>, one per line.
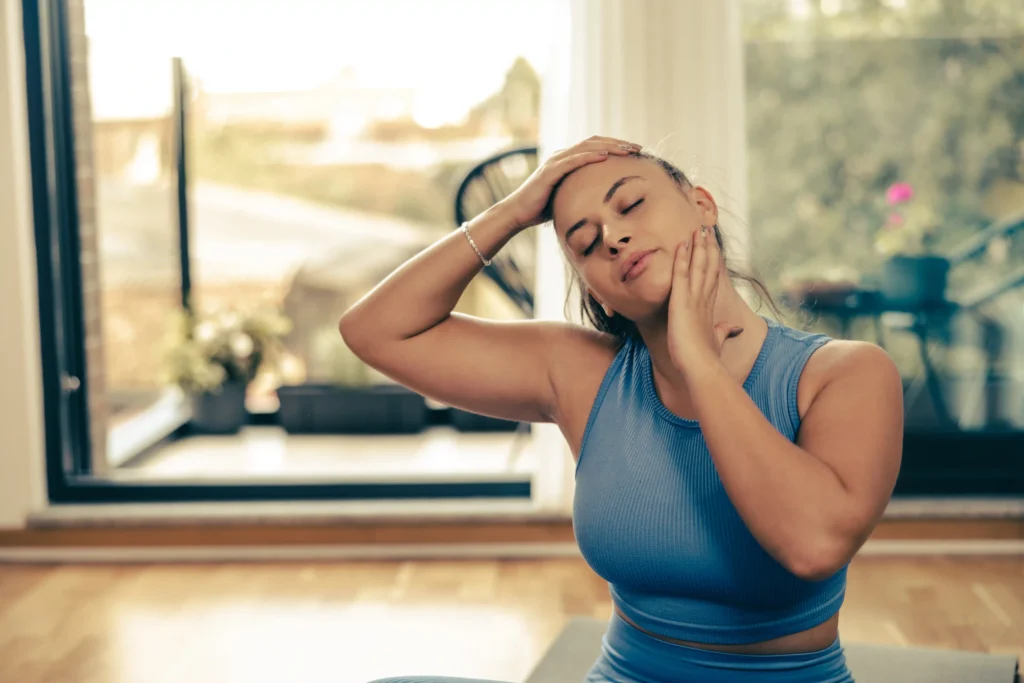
<point x="465" y="421"/>
<point x="330" y="409"/>
<point x="220" y="412"/>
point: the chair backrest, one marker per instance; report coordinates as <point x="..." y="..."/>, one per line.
<point x="493" y="179"/>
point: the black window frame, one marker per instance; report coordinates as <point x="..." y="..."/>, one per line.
<point x="62" y="330"/>
<point x="934" y="463"/>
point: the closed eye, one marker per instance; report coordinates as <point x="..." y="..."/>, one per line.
<point x="633" y="206"/>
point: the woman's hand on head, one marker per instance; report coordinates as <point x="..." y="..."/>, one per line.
<point x="526" y="206"/>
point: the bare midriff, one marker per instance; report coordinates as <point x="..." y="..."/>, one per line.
<point x="813" y="639"/>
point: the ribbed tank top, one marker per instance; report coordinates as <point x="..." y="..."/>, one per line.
<point x="651" y="516"/>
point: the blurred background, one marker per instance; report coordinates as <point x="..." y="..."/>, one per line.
<point x="316" y="163"/>
<point x="884" y="141"/>
<point x="199" y="190"/>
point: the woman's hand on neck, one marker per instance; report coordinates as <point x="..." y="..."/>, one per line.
<point x="738" y="351"/>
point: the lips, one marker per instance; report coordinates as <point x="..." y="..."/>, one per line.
<point x="635" y="264"/>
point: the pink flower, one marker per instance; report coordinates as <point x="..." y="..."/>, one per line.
<point x="899" y="193"/>
<point x="895" y="220"/>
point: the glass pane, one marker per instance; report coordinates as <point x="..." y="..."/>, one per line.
<point x="129" y="241"/>
<point x="315" y="169"/>
<point x="887" y="188"/>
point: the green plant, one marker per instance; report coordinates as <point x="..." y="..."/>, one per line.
<point x="210" y="350"/>
<point x="841" y="107"/>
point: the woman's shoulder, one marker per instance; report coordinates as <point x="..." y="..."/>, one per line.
<point x="837" y="359"/>
<point x="848" y="356"/>
<point x="828" y="354"/>
<point x="572" y="342"/>
<point x="582" y="353"/>
<point x="798" y="335"/>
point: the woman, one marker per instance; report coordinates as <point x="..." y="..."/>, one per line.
<point x="728" y="467"/>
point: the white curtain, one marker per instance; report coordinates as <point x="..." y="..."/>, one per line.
<point x="22" y="470"/>
<point x="667" y="74"/>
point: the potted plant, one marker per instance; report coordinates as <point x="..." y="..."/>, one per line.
<point x="214" y="357"/>
<point x="912" y="276"/>
<point x="346" y="396"/>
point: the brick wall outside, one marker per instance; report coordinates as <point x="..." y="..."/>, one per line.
<point x="88" y="235"/>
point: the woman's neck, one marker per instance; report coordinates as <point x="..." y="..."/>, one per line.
<point x="738" y="353"/>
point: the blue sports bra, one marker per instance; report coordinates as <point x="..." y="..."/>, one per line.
<point x="652" y="517"/>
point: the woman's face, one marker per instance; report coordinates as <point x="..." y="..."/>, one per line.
<point x="607" y="214"/>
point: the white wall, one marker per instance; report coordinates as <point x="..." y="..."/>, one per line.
<point x="21" y="417"/>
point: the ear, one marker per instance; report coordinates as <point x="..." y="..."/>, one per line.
<point x="706" y="205"/>
<point x="605" y="307"/>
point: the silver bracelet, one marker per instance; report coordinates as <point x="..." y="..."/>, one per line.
<point x="465" y="230"/>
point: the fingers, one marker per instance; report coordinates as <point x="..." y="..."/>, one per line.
<point x="619" y="144"/>
<point x="681" y="263"/>
<point x="714" y="260"/>
<point x="681" y="270"/>
<point x="616" y="143"/>
<point x="699" y="262"/>
<point x="611" y="145"/>
<point x="574" y="161"/>
<point x="705" y="263"/>
<point x="556" y="170"/>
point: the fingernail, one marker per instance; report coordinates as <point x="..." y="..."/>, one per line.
<point x="603" y="152"/>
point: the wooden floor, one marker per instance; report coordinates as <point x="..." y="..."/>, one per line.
<point x="350" y="622"/>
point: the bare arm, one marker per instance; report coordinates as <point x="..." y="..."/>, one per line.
<point x="813" y="503"/>
<point x="405" y="327"/>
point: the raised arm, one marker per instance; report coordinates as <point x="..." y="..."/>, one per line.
<point x="405" y="327"/>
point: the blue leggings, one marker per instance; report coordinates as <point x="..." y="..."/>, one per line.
<point x="629" y="655"/>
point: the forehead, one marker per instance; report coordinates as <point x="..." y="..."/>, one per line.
<point x="584" y="189"/>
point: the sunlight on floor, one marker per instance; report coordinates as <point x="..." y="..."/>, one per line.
<point x="271" y="452"/>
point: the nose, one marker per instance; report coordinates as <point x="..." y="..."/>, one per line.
<point x="615" y="237"/>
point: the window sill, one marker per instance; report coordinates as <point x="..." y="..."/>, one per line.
<point x="127" y="440"/>
<point x="437" y="511"/>
<point x="291" y="513"/>
<point x="956" y="507"/>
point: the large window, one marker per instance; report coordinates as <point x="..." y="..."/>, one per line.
<point x="213" y="187"/>
<point x="227" y="183"/>
<point x="886" y="146"/>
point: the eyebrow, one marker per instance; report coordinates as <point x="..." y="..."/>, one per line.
<point x="607" y="198"/>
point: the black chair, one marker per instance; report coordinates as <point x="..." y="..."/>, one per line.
<point x="513" y="269"/>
